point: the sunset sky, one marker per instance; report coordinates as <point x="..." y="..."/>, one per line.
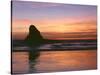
<point x="54" y="20"/>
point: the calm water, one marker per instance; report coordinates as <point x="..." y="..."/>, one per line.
<point x="53" y="61"/>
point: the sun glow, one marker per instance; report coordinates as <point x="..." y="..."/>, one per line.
<point x="54" y="19"/>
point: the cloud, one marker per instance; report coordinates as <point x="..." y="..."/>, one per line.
<point x="40" y="5"/>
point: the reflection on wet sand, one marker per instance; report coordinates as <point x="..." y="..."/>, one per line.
<point x="24" y="62"/>
<point x="53" y="61"/>
<point x="33" y="56"/>
<point x="67" y="61"/>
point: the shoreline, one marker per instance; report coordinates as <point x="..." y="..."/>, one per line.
<point x="53" y="50"/>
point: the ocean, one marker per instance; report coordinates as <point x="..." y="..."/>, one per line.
<point x="54" y="57"/>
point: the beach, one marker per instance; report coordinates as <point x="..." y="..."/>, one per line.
<point x="53" y="61"/>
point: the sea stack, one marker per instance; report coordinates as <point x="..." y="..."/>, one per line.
<point x="34" y="38"/>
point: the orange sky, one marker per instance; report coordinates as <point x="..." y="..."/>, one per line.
<point x="53" y="18"/>
<point x="56" y="25"/>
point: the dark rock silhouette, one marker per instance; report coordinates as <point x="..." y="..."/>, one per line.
<point x="34" y="37"/>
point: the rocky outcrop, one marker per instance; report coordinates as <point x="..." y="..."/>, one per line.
<point x="34" y="38"/>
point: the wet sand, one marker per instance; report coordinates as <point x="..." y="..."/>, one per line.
<point x="53" y="61"/>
